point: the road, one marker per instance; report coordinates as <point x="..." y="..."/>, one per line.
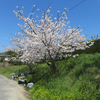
<point x="11" y="90"/>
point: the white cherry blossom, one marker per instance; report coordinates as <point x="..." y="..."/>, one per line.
<point x="46" y="39"/>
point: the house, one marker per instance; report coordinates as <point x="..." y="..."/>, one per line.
<point x="6" y="57"/>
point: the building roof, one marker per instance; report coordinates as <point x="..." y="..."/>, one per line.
<point x="4" y="55"/>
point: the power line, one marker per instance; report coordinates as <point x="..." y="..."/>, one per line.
<point x="76" y="5"/>
<point x="71" y="8"/>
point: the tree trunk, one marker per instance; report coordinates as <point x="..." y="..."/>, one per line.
<point x="53" y="67"/>
<point x="30" y="67"/>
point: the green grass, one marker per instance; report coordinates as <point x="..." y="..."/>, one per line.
<point x="75" y="79"/>
<point x="6" y="71"/>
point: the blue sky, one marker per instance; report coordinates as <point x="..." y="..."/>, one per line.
<point x="87" y="15"/>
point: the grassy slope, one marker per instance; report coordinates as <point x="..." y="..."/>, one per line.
<point x="75" y="79"/>
<point x="6" y="71"/>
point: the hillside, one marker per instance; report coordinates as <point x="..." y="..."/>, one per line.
<point x="7" y="53"/>
<point x="76" y="79"/>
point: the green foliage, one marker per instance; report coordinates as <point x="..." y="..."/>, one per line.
<point x="13" y="55"/>
<point x="2" y="59"/>
<point x="8" y="53"/>
<point x="95" y="48"/>
<point x="6" y="71"/>
<point x="16" y="62"/>
<point x="75" y="79"/>
<point x="64" y="87"/>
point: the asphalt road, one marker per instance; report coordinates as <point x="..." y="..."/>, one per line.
<point x="11" y="90"/>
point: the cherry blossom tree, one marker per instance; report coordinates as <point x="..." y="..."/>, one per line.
<point x="46" y="39"/>
<point x="94" y="37"/>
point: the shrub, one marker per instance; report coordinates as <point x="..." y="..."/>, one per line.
<point x="16" y="62"/>
<point x="2" y="59"/>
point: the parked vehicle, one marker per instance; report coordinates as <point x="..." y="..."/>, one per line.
<point x="8" y="61"/>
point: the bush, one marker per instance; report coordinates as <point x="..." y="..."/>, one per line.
<point x="16" y="62"/>
<point x="2" y="59"/>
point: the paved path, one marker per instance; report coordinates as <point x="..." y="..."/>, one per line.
<point x="10" y="90"/>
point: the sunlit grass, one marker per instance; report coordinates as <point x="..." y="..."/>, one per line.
<point x="6" y="71"/>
